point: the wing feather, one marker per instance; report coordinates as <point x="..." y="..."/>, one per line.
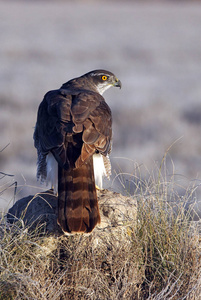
<point x="73" y="127"/>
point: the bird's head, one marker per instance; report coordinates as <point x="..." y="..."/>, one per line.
<point x="103" y="80"/>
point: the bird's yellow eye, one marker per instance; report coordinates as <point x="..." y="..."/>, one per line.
<point x="104" y="77"/>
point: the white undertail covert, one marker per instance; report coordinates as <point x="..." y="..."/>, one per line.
<point x="101" y="165"/>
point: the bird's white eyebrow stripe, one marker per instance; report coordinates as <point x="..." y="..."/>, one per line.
<point x="98" y="74"/>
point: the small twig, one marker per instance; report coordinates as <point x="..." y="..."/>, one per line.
<point x="4" y="147"/>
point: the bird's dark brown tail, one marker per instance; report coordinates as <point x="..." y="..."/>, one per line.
<point x="77" y="199"/>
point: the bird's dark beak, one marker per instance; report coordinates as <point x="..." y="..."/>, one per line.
<point x="117" y="83"/>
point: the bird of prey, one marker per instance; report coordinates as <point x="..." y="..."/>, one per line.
<point x="74" y="125"/>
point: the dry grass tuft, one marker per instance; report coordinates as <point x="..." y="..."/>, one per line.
<point x="154" y="256"/>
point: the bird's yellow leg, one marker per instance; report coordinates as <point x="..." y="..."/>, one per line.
<point x="99" y="189"/>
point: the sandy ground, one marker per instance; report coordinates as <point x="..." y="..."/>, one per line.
<point x="154" y="48"/>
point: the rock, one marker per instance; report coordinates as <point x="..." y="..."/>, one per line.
<point x="116" y="209"/>
<point x="40" y="211"/>
<point x="36" y="211"/>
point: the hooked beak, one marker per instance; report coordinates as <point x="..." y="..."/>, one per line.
<point x="117" y="83"/>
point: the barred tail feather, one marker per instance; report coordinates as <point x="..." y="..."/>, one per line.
<point x="77" y="200"/>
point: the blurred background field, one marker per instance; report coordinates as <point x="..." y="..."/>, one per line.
<point x="153" y="47"/>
